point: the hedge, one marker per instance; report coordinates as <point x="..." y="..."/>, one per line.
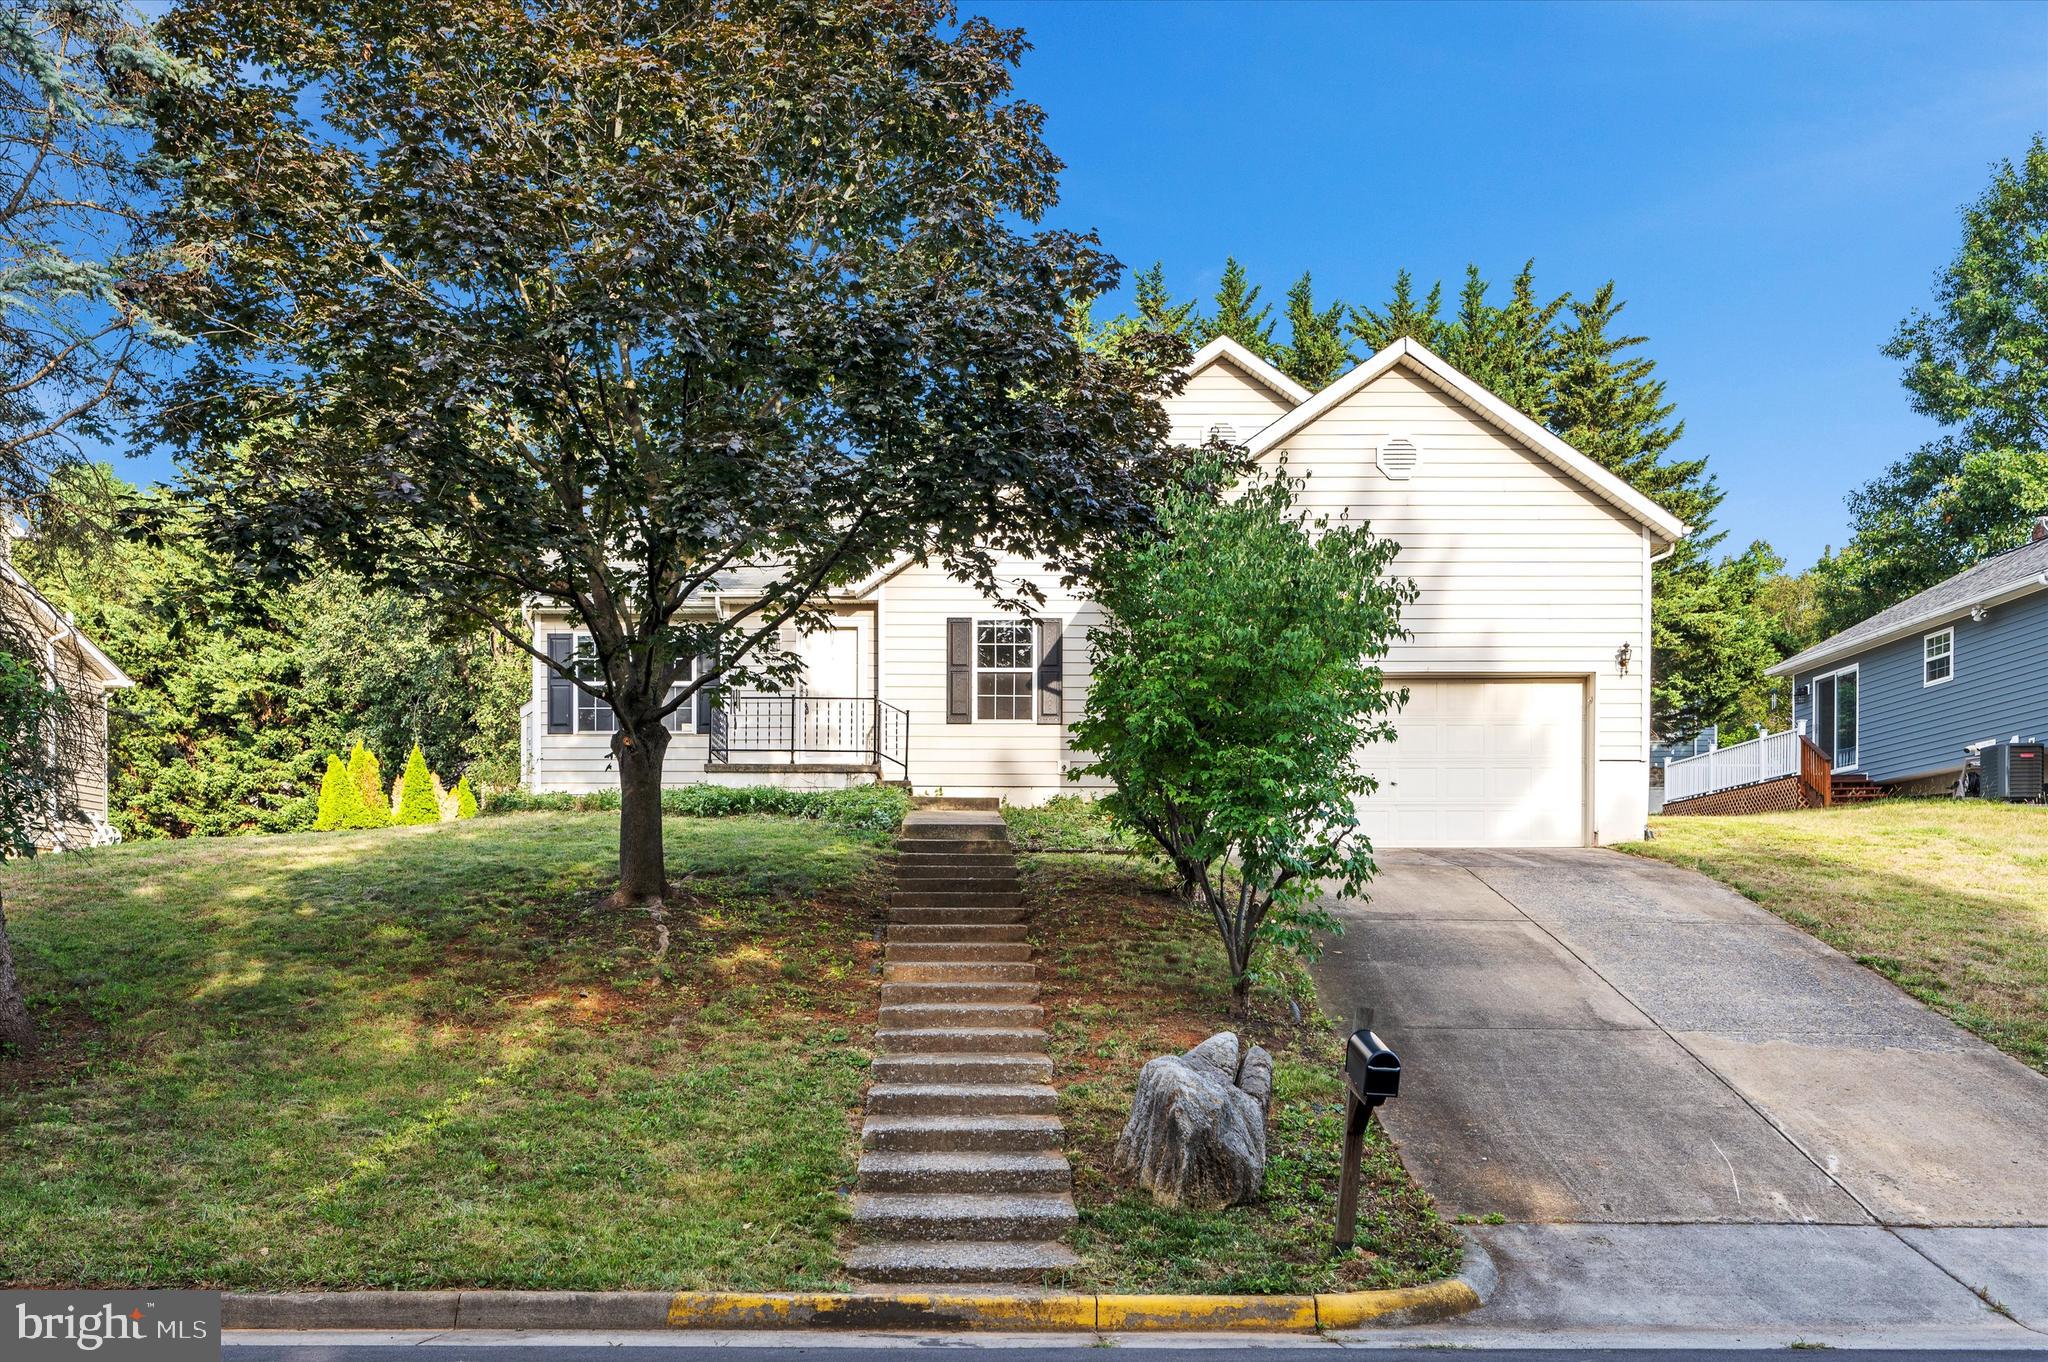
<point x="863" y="806"/>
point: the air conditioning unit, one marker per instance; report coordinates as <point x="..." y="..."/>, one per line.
<point x="2012" y="770"/>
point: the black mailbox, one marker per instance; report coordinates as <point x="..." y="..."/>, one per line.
<point x="1373" y="1071"/>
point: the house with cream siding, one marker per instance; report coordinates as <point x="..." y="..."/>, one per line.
<point x="1527" y="658"/>
<point x="68" y="659"/>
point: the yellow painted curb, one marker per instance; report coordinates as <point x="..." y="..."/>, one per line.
<point x="1115" y="1314"/>
<point x="878" y="1310"/>
<point x="1414" y="1304"/>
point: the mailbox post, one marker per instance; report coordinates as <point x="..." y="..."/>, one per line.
<point x="1372" y="1074"/>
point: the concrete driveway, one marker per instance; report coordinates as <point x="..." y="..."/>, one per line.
<point x="1593" y="1042"/>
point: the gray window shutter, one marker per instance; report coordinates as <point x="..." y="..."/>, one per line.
<point x="704" y="699"/>
<point x="561" y="695"/>
<point x="959" y="671"/>
<point x="1051" y="673"/>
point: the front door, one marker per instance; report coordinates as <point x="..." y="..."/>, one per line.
<point x="1835" y="717"/>
<point x="835" y="725"/>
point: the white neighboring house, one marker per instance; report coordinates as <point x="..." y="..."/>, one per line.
<point x="78" y="816"/>
<point x="1527" y="663"/>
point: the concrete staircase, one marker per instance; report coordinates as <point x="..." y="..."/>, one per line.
<point x="961" y="1175"/>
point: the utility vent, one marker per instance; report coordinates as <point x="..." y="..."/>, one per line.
<point x="1398" y="456"/>
<point x="1224" y="432"/>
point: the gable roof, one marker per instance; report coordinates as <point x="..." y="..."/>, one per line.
<point x="1223" y="349"/>
<point x="111" y="674"/>
<point x="2002" y="576"/>
<point x="1414" y="355"/>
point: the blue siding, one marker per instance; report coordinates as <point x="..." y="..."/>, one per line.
<point x="2000" y="688"/>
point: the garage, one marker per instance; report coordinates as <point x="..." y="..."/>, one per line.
<point x="1481" y="764"/>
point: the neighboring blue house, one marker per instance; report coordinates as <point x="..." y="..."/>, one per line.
<point x="1900" y="696"/>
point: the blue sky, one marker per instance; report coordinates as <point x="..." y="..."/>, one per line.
<point x="1773" y="187"/>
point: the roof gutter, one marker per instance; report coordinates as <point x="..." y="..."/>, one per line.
<point x="1821" y="654"/>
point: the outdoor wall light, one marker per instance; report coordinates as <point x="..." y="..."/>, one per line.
<point x="1621" y="657"/>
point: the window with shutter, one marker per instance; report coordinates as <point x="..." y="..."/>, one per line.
<point x="592" y="714"/>
<point x="1004" y="669"/>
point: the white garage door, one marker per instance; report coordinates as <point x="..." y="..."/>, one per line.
<point x="1481" y="764"/>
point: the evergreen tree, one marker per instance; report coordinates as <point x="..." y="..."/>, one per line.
<point x="335" y="787"/>
<point x="374" y="810"/>
<point x="465" y="799"/>
<point x="416" y="801"/>
<point x="1510" y="350"/>
<point x="1315" y="352"/>
<point x="1156" y="309"/>
<point x="1238" y="314"/>
<point x="1403" y="317"/>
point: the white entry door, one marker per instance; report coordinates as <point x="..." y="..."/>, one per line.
<point x="1481" y="764"/>
<point x="836" y="727"/>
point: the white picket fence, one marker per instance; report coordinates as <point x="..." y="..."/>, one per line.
<point x="1746" y="763"/>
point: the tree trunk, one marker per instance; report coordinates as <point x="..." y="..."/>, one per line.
<point x="16" y="1029"/>
<point x="643" y="870"/>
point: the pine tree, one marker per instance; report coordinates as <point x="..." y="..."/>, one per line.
<point x="1315" y="352"/>
<point x="1510" y="350"/>
<point x="1403" y="317"/>
<point x="1238" y="314"/>
<point x="416" y="802"/>
<point x="1156" y="309"/>
<point x="374" y="810"/>
<point x="465" y="799"/>
<point x="335" y="788"/>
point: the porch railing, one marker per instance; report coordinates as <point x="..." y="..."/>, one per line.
<point x="805" y="729"/>
<point x="1771" y="757"/>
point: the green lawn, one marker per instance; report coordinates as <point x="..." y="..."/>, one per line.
<point x="1130" y="972"/>
<point x="431" y="1057"/>
<point x="1945" y="897"/>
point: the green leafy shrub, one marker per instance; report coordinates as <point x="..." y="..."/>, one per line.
<point x="416" y="801"/>
<point x="1070" y="823"/>
<point x="335" y="789"/>
<point x="465" y="799"/>
<point x="877" y="807"/>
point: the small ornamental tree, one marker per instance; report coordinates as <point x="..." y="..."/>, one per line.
<point x="1236" y="677"/>
<point x="465" y="799"/>
<point x="416" y="802"/>
<point x="374" y="809"/>
<point x="335" y="788"/>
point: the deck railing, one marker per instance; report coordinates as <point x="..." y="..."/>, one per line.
<point x="811" y="729"/>
<point x="1771" y="757"/>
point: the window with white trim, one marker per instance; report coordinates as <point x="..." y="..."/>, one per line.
<point x="1937" y="657"/>
<point x="1003" y="669"/>
<point x="592" y="714"/>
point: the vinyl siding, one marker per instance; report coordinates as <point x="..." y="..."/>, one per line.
<point x="1223" y="394"/>
<point x="1999" y="688"/>
<point x="1521" y="570"/>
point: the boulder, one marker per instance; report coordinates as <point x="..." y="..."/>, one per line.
<point x="1197" y="1134"/>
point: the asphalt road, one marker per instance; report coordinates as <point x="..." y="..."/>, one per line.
<point x="450" y="1350"/>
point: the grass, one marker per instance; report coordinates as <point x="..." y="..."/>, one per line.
<point x="1131" y="973"/>
<point x="1942" y="896"/>
<point x="431" y="1057"/>
<point x="1067" y="823"/>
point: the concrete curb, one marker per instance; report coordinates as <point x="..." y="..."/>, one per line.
<point x="963" y="1309"/>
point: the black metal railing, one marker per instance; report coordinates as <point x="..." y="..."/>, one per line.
<point x="824" y="729"/>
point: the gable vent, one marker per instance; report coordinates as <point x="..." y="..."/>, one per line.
<point x="1398" y="456"/>
<point x="1224" y="432"/>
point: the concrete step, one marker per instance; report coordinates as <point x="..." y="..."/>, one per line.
<point x="957" y="952"/>
<point x="949" y="991"/>
<point x="961" y="1134"/>
<point x="1044" y="1171"/>
<point x="956" y="898"/>
<point x="915" y="1016"/>
<point x="960" y="971"/>
<point x="962" y="1099"/>
<point x="953" y="803"/>
<point x="961" y="1039"/>
<point x="962" y="1067"/>
<point x="1033" y="1217"/>
<point x="958" y="932"/>
<point x="960" y="1261"/>
<point x="966" y="917"/>
<point x="955" y="846"/>
<point x="930" y="879"/>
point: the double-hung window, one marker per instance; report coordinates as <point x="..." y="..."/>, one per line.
<point x="1937" y="657"/>
<point x="1003" y="669"/>
<point x="592" y="714"/>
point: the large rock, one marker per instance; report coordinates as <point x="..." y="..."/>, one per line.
<point x="1197" y="1134"/>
